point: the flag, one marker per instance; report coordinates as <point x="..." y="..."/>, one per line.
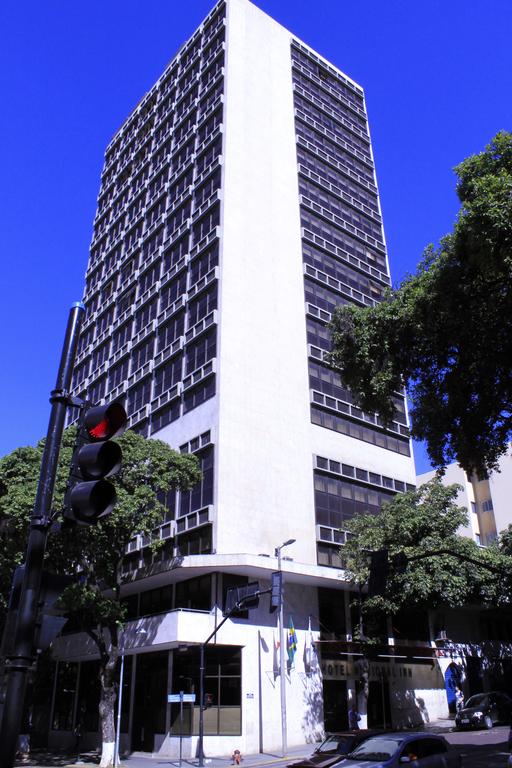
<point x="310" y="659"/>
<point x="275" y="656"/>
<point x="291" y="641"/>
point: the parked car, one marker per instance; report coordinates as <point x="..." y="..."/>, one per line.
<point x="394" y="750"/>
<point x="483" y="710"/>
<point x="333" y="747"/>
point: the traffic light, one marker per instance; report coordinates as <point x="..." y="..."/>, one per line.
<point x="399" y="562"/>
<point x="239" y="599"/>
<point x="89" y="496"/>
<point x="49" y="623"/>
<point x="379" y="568"/>
<point x="276" y="587"/>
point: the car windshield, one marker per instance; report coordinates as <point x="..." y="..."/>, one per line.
<point x="378" y="748"/>
<point x="333" y="744"/>
<point x="479" y="700"/>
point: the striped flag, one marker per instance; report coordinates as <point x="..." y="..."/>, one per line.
<point x="291" y="643"/>
<point x="310" y="660"/>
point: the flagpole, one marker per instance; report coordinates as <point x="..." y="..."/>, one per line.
<point x="284" y="745"/>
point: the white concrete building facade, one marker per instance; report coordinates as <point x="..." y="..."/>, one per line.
<point x="238" y="205"/>
<point x="487" y="499"/>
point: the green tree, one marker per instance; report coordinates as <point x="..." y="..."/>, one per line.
<point x="417" y="523"/>
<point x="149" y="469"/>
<point x="447" y="330"/>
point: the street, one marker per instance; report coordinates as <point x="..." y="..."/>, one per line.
<point x="481" y="749"/>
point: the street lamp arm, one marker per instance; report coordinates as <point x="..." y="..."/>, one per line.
<point x="237" y="607"/>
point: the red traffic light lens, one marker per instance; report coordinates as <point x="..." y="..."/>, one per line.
<point x="101" y="430"/>
<point x="103" y="422"/>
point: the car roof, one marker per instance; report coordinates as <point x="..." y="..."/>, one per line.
<point x="408" y="735"/>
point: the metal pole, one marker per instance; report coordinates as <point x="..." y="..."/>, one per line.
<point x="284" y="746"/>
<point x="181" y="726"/>
<point x="200" y="741"/>
<point x="18" y="665"/>
<point x="119" y="703"/>
<point x="200" y="745"/>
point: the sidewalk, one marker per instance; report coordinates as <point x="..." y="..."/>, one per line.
<point x="44" y="759"/>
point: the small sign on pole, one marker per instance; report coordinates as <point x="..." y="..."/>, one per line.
<point x="186" y="698"/>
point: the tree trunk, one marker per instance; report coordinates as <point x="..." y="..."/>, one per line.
<point x="108" y="696"/>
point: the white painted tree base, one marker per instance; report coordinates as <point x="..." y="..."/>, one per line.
<point x="107" y="754"/>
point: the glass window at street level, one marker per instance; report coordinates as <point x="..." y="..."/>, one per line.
<point x="66" y="685"/>
<point x="87" y="717"/>
<point x="223" y="690"/>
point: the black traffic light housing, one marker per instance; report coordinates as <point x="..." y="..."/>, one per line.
<point x="276" y="591"/>
<point x="49" y="622"/>
<point x="379" y="569"/>
<point x="89" y="496"/>
<point x="241" y="598"/>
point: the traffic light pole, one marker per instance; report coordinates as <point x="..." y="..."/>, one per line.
<point x="237" y="607"/>
<point x="18" y="665"/>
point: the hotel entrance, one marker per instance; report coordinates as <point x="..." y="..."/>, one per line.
<point x="335" y="705"/>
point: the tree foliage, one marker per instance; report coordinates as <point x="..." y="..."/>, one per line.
<point x="150" y="468"/>
<point x="420" y="522"/>
<point x="447" y="330"/>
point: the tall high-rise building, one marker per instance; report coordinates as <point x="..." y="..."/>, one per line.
<point x="238" y="206"/>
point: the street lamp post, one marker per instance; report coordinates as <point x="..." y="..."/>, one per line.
<point x="284" y="746"/>
<point x="139" y="631"/>
<point x="119" y="704"/>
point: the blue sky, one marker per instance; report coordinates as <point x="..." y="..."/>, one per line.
<point x="437" y="77"/>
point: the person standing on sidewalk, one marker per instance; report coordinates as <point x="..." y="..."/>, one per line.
<point x="353" y="718"/>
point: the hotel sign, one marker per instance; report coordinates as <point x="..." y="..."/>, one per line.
<point x="343" y="670"/>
